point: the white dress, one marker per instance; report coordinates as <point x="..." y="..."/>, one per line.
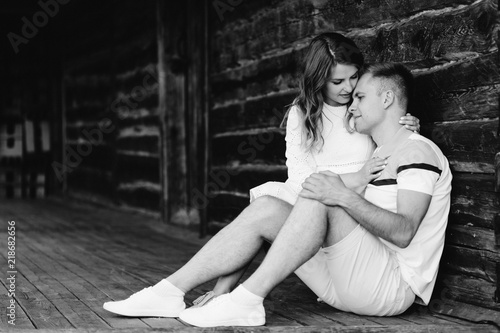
<point x="342" y="152"/>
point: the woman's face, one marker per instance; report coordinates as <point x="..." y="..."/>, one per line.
<point x="340" y="85"/>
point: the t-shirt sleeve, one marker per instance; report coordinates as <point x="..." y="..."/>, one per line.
<point x="299" y="160"/>
<point x="418" y="168"/>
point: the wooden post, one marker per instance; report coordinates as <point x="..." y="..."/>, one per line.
<point x="182" y="108"/>
<point x="197" y="110"/>
<point x="162" y="101"/>
<point x="172" y="110"/>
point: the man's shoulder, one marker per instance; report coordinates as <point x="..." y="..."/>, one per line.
<point x="416" y="143"/>
<point x="419" y="152"/>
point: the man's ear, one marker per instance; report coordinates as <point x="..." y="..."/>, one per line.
<point x="388" y="98"/>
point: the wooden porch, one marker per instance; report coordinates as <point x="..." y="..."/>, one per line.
<point x="70" y="258"/>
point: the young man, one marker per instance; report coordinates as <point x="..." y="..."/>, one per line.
<point x="368" y="255"/>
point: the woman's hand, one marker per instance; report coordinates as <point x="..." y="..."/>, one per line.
<point x="411" y="122"/>
<point x="372" y="169"/>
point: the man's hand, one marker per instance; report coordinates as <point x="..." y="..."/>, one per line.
<point x="325" y="187"/>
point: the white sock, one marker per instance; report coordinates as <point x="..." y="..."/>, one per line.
<point x="242" y="296"/>
<point x="164" y="289"/>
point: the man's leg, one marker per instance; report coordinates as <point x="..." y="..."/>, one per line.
<point x="236" y="245"/>
<point x="355" y="271"/>
<point x="228" y="251"/>
<point x="310" y="225"/>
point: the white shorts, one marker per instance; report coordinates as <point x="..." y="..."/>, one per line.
<point x="359" y="274"/>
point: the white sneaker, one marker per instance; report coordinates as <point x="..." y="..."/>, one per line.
<point x="146" y="303"/>
<point x="223" y="311"/>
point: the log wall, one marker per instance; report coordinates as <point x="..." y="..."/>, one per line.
<point x="111" y="105"/>
<point x="451" y="46"/>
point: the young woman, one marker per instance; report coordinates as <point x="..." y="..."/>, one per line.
<point x="319" y="135"/>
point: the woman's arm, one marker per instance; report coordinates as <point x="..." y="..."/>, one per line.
<point x="299" y="160"/>
<point x="357" y="181"/>
<point x="410" y="122"/>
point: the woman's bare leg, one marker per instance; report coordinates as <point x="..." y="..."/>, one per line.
<point x="226" y="283"/>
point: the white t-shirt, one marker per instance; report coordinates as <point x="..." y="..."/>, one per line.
<point x="416" y="164"/>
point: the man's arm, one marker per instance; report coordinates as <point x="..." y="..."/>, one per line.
<point x="398" y="228"/>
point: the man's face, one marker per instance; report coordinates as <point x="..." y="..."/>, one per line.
<point x="367" y="108"/>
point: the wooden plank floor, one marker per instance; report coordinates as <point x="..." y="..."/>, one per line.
<point x="70" y="258"/>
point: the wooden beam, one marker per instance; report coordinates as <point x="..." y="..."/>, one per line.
<point x="172" y="109"/>
<point x="162" y="102"/>
<point x="197" y="109"/>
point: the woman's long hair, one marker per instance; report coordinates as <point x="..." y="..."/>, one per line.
<point x="324" y="52"/>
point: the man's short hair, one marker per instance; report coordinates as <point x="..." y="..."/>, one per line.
<point x="395" y="77"/>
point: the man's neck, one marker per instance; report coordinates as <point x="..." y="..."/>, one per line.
<point x="383" y="134"/>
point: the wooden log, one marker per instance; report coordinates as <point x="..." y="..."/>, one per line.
<point x="434" y="33"/>
<point x="466" y="289"/>
<point x="95" y="133"/>
<point x="472" y="262"/>
<point x="471" y="237"/>
<point x="463" y="87"/>
<point x="142" y="116"/>
<point x="453" y="83"/>
<point x="473" y="202"/>
<point x="414" y="36"/>
<point x="147" y="143"/>
<point x="265" y="111"/>
<point x="84" y="154"/>
<point x="235" y="41"/>
<point x="242" y="178"/>
<point x="266" y="146"/>
<point x="87" y="111"/>
<point x="348" y="14"/>
<point x="91" y="180"/>
<point x="269" y="82"/>
<point x="133" y="167"/>
<point x="136" y="75"/>
<point x="466" y="142"/>
<point x="275" y="63"/>
<point x="472" y="313"/>
<point x="469" y="102"/>
<point x="139" y="194"/>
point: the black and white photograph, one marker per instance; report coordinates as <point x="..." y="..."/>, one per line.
<point x="285" y="166"/>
